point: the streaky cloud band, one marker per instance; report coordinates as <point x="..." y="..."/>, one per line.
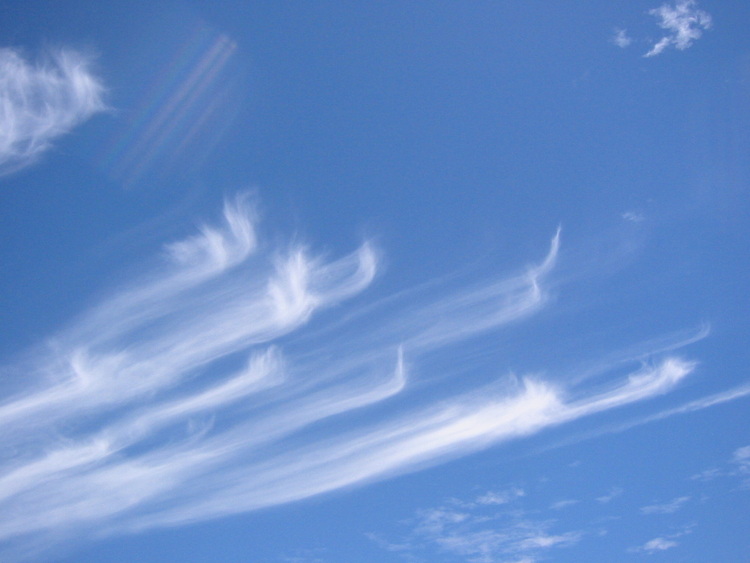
<point x="197" y="391"/>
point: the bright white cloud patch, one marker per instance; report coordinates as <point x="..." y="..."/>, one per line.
<point x="203" y="389"/>
<point x="658" y="544"/>
<point x="621" y="38"/>
<point x="683" y="22"/>
<point x="40" y="101"/>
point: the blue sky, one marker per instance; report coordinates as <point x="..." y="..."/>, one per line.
<point x="329" y="282"/>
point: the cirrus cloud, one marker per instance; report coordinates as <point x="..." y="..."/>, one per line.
<point x="40" y="101"/>
<point x="683" y="22"/>
<point x="205" y="388"/>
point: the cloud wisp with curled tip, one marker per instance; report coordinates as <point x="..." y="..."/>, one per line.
<point x="683" y="22"/>
<point x="220" y="383"/>
<point x="40" y="101"/>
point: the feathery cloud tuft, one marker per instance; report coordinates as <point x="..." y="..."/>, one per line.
<point x="42" y="101"/>
<point x="209" y="387"/>
<point x="684" y="23"/>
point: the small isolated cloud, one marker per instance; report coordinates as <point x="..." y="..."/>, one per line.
<point x="42" y="101"/>
<point x="621" y="38"/>
<point x="559" y="505"/>
<point x="683" y="22"/>
<point x="500" y="497"/>
<point x="633" y="217"/>
<point x="435" y="520"/>
<point x="741" y="458"/>
<point x="658" y="544"/>
<point x="611" y="495"/>
<point x="315" y="555"/>
<point x="741" y="463"/>
<point x="388" y="545"/>
<point x="738" y="465"/>
<point x="707" y="474"/>
<point x="666" y="508"/>
<point x="662" y="543"/>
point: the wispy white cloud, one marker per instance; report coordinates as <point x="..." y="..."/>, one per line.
<point x="633" y="217"/>
<point x="500" y="497"/>
<point x="403" y="548"/>
<point x="657" y="544"/>
<point x="707" y="474"/>
<point x="202" y="389"/>
<point x="741" y="465"/>
<point x="315" y="555"/>
<point x="739" y="392"/>
<point x="40" y="101"/>
<point x="521" y="541"/>
<point x="434" y="521"/>
<point x="662" y="543"/>
<point x="683" y="22"/>
<point x="741" y="458"/>
<point x="611" y="495"/>
<point x="621" y="38"/>
<point x="737" y="466"/>
<point x="565" y="503"/>
<point x="479" y="533"/>
<point x="667" y="507"/>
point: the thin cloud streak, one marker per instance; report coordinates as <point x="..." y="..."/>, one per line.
<point x="739" y="392"/>
<point x="41" y="101"/>
<point x="143" y="413"/>
<point x="666" y="508"/>
<point x="662" y="543"/>
<point x="657" y="544"/>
